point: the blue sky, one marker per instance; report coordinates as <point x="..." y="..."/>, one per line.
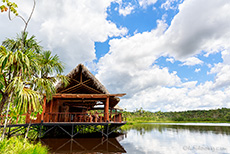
<point x="168" y="55"/>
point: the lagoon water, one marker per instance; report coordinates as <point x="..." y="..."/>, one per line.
<point x="164" y="138"/>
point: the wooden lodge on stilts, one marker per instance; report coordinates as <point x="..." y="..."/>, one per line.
<point x="83" y="103"/>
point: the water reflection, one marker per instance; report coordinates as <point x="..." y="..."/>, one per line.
<point x="152" y="139"/>
<point x="84" y="145"/>
<point x="161" y="138"/>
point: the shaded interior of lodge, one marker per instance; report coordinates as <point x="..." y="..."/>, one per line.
<point x="84" y="99"/>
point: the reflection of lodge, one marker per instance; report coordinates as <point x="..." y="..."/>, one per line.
<point x="79" y="101"/>
<point x="84" y="145"/>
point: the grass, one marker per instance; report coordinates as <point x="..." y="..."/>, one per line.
<point x="16" y="145"/>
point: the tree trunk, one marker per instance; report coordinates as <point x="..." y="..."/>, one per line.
<point x="28" y="128"/>
<point x="6" y="120"/>
<point x="3" y="102"/>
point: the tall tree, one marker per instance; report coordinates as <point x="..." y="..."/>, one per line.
<point x="25" y="69"/>
<point x="26" y="74"/>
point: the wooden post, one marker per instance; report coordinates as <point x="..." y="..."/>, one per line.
<point x="111" y="114"/>
<point x="51" y="110"/>
<point x="106" y="110"/>
<point x="119" y="119"/>
<point x="44" y="108"/>
<point x="17" y="119"/>
<point x="27" y="118"/>
<point x="90" y="118"/>
<point x="56" y="109"/>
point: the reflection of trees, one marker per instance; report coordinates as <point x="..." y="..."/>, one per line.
<point x="142" y="128"/>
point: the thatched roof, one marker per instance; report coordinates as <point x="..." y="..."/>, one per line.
<point x="86" y="73"/>
<point x="90" y="84"/>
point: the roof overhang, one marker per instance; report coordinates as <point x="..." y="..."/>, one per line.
<point x="59" y="95"/>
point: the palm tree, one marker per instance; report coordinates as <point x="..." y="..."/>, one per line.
<point x="50" y="65"/>
<point x="25" y="74"/>
<point x="22" y="42"/>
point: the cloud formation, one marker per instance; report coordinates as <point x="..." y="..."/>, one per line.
<point x="191" y="61"/>
<point x="70" y="29"/>
<point x="197" y="28"/>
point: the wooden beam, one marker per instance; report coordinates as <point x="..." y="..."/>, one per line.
<point x="58" y="95"/>
<point x="117" y="95"/>
<point x="81" y="76"/>
<point x="74" y="80"/>
<point x="86" y="81"/>
<point x="76" y="104"/>
<point x="92" y="89"/>
<point x="106" y="110"/>
<point x="70" y="88"/>
<point x="97" y="108"/>
<point x="84" y="100"/>
<point x="75" y="86"/>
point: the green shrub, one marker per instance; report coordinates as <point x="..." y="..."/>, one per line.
<point x="227" y="116"/>
<point x="17" y="145"/>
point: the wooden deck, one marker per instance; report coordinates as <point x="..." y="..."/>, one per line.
<point x="69" y="128"/>
<point x="65" y="124"/>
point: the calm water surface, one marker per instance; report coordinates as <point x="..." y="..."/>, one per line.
<point x="161" y="138"/>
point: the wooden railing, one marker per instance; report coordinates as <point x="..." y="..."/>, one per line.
<point x="80" y="117"/>
<point x="65" y="117"/>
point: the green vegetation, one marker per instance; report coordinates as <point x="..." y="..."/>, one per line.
<point x="140" y="116"/>
<point x="27" y="72"/>
<point x="17" y="145"/>
<point x="24" y="73"/>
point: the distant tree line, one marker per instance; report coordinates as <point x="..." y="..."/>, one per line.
<point x="139" y="115"/>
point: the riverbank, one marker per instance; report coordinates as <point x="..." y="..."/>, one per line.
<point x="160" y="124"/>
<point x="17" y="145"/>
<point x="212" y="116"/>
<point x="146" y="122"/>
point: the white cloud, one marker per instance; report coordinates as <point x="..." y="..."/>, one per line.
<point x="199" y="27"/>
<point x="226" y="56"/>
<point x="222" y="78"/>
<point x="189" y="84"/>
<point x="145" y="3"/>
<point x="128" y="65"/>
<point x="191" y="61"/>
<point x="209" y="65"/>
<point x="188" y="97"/>
<point x="126" y="10"/>
<point x="69" y="28"/>
<point x="170" y="60"/>
<point x="168" y="4"/>
<point x="197" y="70"/>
